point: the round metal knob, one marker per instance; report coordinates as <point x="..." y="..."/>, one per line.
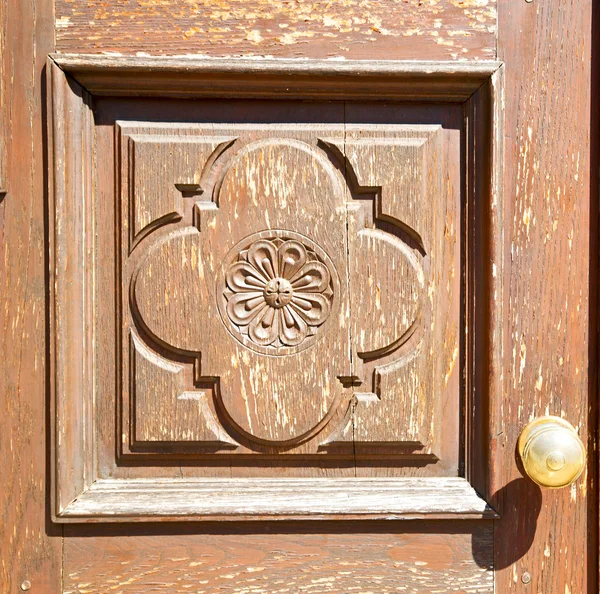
<point x="552" y="453"/>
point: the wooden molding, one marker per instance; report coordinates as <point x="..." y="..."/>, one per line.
<point x="80" y="493"/>
<point x="70" y="139"/>
<point x="246" y="499"/>
<point x="274" y="78"/>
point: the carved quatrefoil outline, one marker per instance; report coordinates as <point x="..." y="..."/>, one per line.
<point x="315" y="328"/>
<point x="399" y="353"/>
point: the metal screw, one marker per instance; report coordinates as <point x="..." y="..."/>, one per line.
<point x="526" y="578"/>
<point x="26" y="585"/>
<point x="529" y="1"/>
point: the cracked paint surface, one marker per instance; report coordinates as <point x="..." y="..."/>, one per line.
<point x="353" y="29"/>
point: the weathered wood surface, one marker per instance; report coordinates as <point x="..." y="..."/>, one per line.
<point x="424" y="80"/>
<point x="70" y="262"/>
<point x="30" y="548"/>
<point x="182" y="187"/>
<point x="346" y="557"/>
<point x="546" y="46"/>
<point x="3" y="97"/>
<point x="407" y="30"/>
<point x="239" y="498"/>
<point x="544" y="362"/>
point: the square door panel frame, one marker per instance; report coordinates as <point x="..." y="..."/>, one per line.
<point x="81" y="496"/>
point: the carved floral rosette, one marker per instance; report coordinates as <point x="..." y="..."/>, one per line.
<point x="278" y="292"/>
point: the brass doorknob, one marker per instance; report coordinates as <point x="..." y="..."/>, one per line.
<point x="552" y="453"/>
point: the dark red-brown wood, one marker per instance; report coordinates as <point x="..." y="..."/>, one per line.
<point x="546" y="47"/>
<point x="30" y="547"/>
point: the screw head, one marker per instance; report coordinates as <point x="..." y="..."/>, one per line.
<point x="526" y="577"/>
<point x="26" y="585"/>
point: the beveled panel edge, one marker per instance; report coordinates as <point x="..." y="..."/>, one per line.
<point x="126" y="500"/>
<point x="70" y="128"/>
<point x="485" y="266"/>
<point x="276" y="78"/>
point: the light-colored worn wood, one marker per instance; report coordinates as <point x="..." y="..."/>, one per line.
<point x="408" y="30"/>
<point x="347" y="557"/>
<point x="70" y="131"/>
<point x="546" y="343"/>
<point x="329" y="79"/>
<point x="345" y="498"/>
<point x="381" y="264"/>
<point x="404" y="253"/>
<point x="30" y="547"/>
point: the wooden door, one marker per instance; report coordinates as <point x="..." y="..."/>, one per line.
<point x="284" y="283"/>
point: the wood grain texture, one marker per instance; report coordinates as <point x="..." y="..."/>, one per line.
<point x="239" y="498"/>
<point x="3" y="97"/>
<point x="547" y="49"/>
<point x="344" y="558"/>
<point x="408" y="30"/>
<point x="30" y="548"/>
<point x="267" y="183"/>
<point x="71" y="255"/>
<point x="386" y="279"/>
<point x="257" y="78"/>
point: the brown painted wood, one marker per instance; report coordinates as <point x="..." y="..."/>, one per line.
<point x="546" y="47"/>
<point x="258" y="78"/>
<point x="507" y="224"/>
<point x="70" y="162"/>
<point x="333" y="558"/>
<point x="408" y="30"/>
<point x="30" y="547"/>
<point x="3" y="99"/>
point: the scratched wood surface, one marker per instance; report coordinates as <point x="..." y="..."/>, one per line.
<point x="172" y="410"/>
<point x="548" y="335"/>
<point x="345" y="558"/>
<point x="289" y="498"/>
<point x="259" y="265"/>
<point x="30" y="549"/>
<point x="3" y="98"/>
<point x="547" y="50"/>
<point x="407" y="30"/>
<point x="188" y="254"/>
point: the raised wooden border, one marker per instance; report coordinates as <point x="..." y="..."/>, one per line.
<point x="79" y="494"/>
<point x="273" y="78"/>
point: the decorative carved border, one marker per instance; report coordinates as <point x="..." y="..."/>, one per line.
<point x="79" y="495"/>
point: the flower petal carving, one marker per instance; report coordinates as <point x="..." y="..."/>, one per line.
<point x="262" y="255"/>
<point x="244" y="277"/>
<point x="292" y="256"/>
<point x="244" y="307"/>
<point x="293" y="328"/>
<point x="312" y="307"/>
<point x="264" y="328"/>
<point x="278" y="292"/>
<point x="312" y="277"/>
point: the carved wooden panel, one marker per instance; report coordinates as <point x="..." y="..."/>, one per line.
<point x="261" y="296"/>
<point x="280" y="287"/>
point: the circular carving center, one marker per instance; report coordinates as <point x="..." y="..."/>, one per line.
<point x="555" y="461"/>
<point x="278" y="292"/>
